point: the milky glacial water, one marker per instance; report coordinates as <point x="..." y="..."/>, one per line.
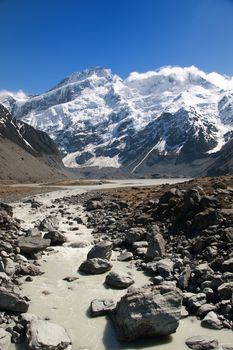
<point x="68" y="303"/>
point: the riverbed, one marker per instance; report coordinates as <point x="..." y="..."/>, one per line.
<point x="68" y="303"/>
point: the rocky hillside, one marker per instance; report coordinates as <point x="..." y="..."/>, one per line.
<point x="26" y="155"/>
<point x="168" y="121"/>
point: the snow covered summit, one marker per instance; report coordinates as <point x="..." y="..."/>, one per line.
<point x="173" y="115"/>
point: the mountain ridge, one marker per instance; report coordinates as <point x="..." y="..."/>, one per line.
<point x="101" y="120"/>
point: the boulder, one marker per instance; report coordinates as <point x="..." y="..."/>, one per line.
<point x="95" y="266"/>
<point x="118" y="280"/>
<point x="156" y="247"/>
<point x="12" y="302"/>
<point x="205" y="309"/>
<point x="5" y="339"/>
<point x="227" y="265"/>
<point x="211" y="321"/>
<point x="165" y="267"/>
<point x="202" y="343"/>
<point x="151" y="311"/>
<point x="49" y="224"/>
<point x="135" y="234"/>
<point x="34" y="232"/>
<point x="44" y="335"/>
<point x="101" y="250"/>
<point x="93" y="205"/>
<point x="125" y="256"/>
<point x="56" y="237"/>
<point x="30" y="245"/>
<point x="196" y="301"/>
<point x="225" y="290"/>
<point x="101" y="307"/>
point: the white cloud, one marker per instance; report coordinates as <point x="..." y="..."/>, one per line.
<point x="19" y="95"/>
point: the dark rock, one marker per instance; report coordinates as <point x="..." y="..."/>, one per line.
<point x="156" y="247"/>
<point x="148" y="312"/>
<point x="12" y="302"/>
<point x="30" y="245"/>
<point x="118" y="280"/>
<point x="125" y="256"/>
<point x="101" y="307"/>
<point x="56" y="237"/>
<point x="227" y="265"/>
<point x="95" y="266"/>
<point x="211" y="321"/>
<point x="49" y="224"/>
<point x="102" y="250"/>
<point x="202" y="343"/>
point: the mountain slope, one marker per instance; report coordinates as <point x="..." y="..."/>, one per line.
<point x="169" y="116"/>
<point x="26" y="155"/>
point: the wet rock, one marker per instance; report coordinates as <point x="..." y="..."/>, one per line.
<point x="125" y="256"/>
<point x="102" y="250"/>
<point x="95" y="266"/>
<point x="12" y="302"/>
<point x="118" y="280"/>
<point x="211" y="321"/>
<point x="47" y="336"/>
<point x="30" y="245"/>
<point x="202" y="343"/>
<point x="5" y="339"/>
<point x="148" y="312"/>
<point x="56" y="237"/>
<point x="101" y="307"/>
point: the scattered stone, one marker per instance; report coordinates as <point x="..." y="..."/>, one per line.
<point x="101" y="250"/>
<point x="101" y="307"/>
<point x="211" y="321"/>
<point x="125" y="256"/>
<point x="202" y="343"/>
<point x="49" y="224"/>
<point x="30" y="245"/>
<point x="47" y="336"/>
<point x="152" y="311"/>
<point x="56" y="237"/>
<point x="118" y="280"/>
<point x="12" y="302"/>
<point x="95" y="266"/>
<point x="70" y="278"/>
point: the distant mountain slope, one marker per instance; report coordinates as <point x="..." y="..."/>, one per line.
<point x="26" y="155"/>
<point x="152" y="121"/>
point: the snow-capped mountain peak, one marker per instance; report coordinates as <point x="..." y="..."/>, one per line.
<point x="101" y="120"/>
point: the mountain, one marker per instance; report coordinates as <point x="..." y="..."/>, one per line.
<point x="26" y="154"/>
<point x="170" y="121"/>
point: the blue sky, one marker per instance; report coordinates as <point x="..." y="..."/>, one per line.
<point x="43" y="41"/>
